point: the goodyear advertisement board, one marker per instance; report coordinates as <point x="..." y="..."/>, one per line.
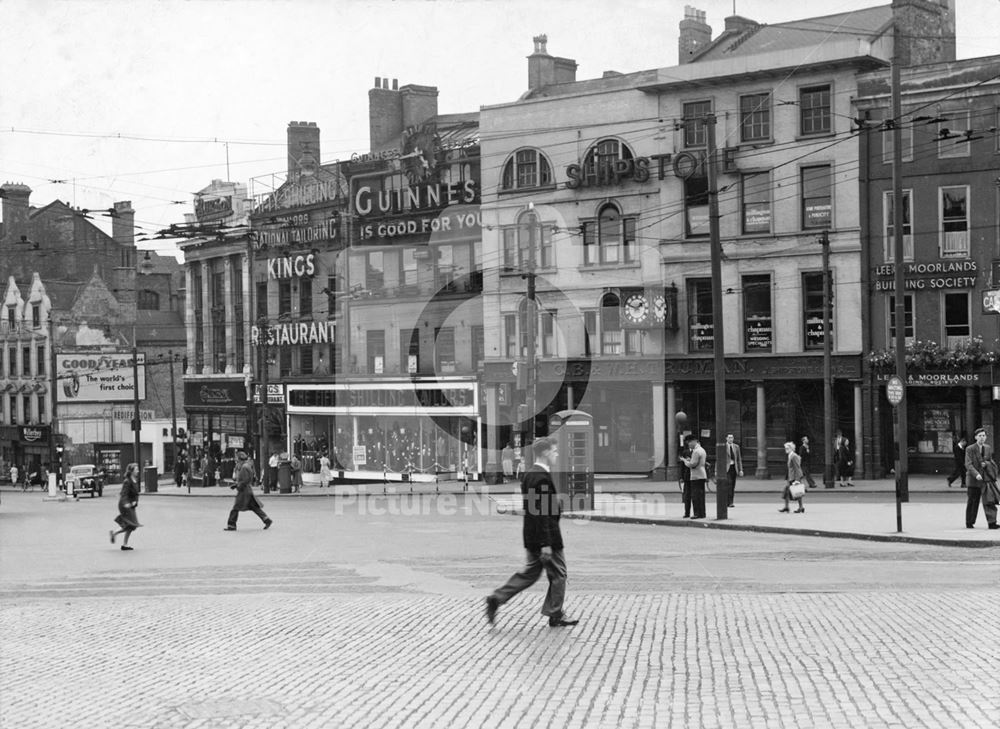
<point x="98" y="377"/>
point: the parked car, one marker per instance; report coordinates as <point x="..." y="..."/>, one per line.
<point x="86" y="478"/>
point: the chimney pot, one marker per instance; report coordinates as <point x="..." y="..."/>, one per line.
<point x="378" y="82"/>
<point x="395" y="84"/>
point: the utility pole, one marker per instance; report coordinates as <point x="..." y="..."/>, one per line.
<point x="264" y="366"/>
<point x="827" y="369"/>
<point x="899" y="289"/>
<point x="136" y="423"/>
<point x="173" y="408"/>
<point x="529" y="365"/>
<point x="718" y="338"/>
<point x="55" y="469"/>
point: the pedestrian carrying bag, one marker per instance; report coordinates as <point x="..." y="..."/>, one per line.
<point x="991" y="493"/>
<point x="796" y="490"/>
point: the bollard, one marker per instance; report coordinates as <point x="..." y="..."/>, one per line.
<point x="53" y="486"/>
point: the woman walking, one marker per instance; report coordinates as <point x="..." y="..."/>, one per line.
<point x="844" y="460"/>
<point x="128" y="499"/>
<point x="794" y="475"/>
<point x="324" y="471"/>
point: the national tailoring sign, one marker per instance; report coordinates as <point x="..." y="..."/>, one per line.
<point x="98" y="377"/>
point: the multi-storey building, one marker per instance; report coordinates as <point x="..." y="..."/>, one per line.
<point x="605" y="180"/>
<point x="950" y="198"/>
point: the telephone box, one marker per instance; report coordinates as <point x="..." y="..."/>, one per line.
<point x="574" y="472"/>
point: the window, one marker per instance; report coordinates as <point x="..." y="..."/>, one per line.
<point x="26" y="361"/>
<point x="696" y="206"/>
<point x="755" y="117"/>
<point x="758" y="327"/>
<point x="817" y="203"/>
<point x="41" y="409"/>
<point x="285" y="362"/>
<point x="478" y="345"/>
<point x="701" y="334"/>
<point x="374" y="271"/>
<point x="888" y="140"/>
<point x="590" y="329"/>
<point x="305" y="297"/>
<point x="306" y="360"/>
<point x="951" y="135"/>
<point x="284" y="297"/>
<point x="12" y="356"/>
<point x="40" y="353"/>
<point x="13" y="409"/>
<point x="408" y="269"/>
<point x="887" y="214"/>
<point x="956" y="319"/>
<point x="26" y="408"/>
<point x="262" y="300"/>
<point x="610" y="239"/>
<point x="954" y="216"/>
<point x="755" y="202"/>
<point x="36" y="316"/>
<point x="611" y="325"/>
<point x="695" y="129"/>
<point x="11" y="317"/>
<point x="510" y="335"/>
<point x="518" y="241"/>
<point x="375" y="350"/>
<point x="907" y="318"/>
<point x="601" y="160"/>
<point x="812" y="310"/>
<point x="149" y="300"/>
<point x="444" y="349"/>
<point x="409" y="347"/>
<point x="814" y="110"/>
<point x="527" y="168"/>
<point x="548" y="331"/>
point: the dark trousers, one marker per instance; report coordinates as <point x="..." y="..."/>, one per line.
<point x="806" y="466"/>
<point x="698" y="497"/>
<point x="555" y="570"/>
<point x="686" y="496"/>
<point x="972" y="507"/>
<point x="731" y="475"/>
<point x="235" y="513"/>
<point x="958" y="474"/>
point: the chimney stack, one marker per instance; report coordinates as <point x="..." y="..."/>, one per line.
<point x="303" y="149"/>
<point x="926" y="30"/>
<point x="385" y="115"/>
<point x="545" y="70"/>
<point x="123" y="224"/>
<point x="695" y="34"/>
<point x="420" y="103"/>
<point x="15" y="210"/>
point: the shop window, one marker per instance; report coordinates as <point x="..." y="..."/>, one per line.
<point x="696" y="219"/>
<point x="817" y="201"/>
<point x="525" y="169"/>
<point x="284" y="297"/>
<point x="285" y="362"/>
<point x="148" y="300"/>
<point x="951" y="135"/>
<point x="758" y="326"/>
<point x="610" y="239"/>
<point x="953" y="211"/>
<point x="812" y="312"/>
<point x="40" y="360"/>
<point x="601" y="160"/>
<point x="755" y="117"/>
<point x="375" y="351"/>
<point x="305" y="297"/>
<point x="889" y="140"/>
<point x="907" y="319"/>
<point x="444" y="349"/>
<point x="36" y="316"/>
<point x="814" y="110"/>
<point x="695" y="127"/>
<point x="889" y="242"/>
<point x="478" y="345"/>
<point x="755" y="202"/>
<point x="701" y="334"/>
<point x="956" y="319"/>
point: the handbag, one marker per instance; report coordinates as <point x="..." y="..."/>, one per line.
<point x="796" y="489"/>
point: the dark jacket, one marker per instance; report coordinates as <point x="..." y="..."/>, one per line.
<point x="245" y="500"/>
<point x="128" y="498"/>
<point x="541" y="510"/>
<point x="975" y="460"/>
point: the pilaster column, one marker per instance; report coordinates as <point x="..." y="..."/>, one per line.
<point x="859" y="427"/>
<point x="762" y="471"/>
<point x="672" y="468"/>
<point x="660" y="426"/>
<point x="189" y="317"/>
<point x="228" y="322"/>
<point x="208" y="366"/>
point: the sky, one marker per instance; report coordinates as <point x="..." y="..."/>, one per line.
<point x="149" y="101"/>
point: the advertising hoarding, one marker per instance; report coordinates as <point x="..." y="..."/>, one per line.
<point x="98" y="377"/>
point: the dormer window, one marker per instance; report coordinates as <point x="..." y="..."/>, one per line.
<point x="526" y="168"/>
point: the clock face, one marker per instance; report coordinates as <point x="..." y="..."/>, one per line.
<point x="659" y="308"/>
<point x="636" y="308"/>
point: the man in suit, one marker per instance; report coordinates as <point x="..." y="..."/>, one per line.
<point x="686" y="476"/>
<point x="734" y="465"/>
<point x="245" y="500"/>
<point x="542" y="540"/>
<point x="977" y="456"/>
<point x="698" y="463"/>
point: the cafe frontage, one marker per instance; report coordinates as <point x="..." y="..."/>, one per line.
<point x="216" y="410"/>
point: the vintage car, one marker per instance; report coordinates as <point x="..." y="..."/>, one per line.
<point x="86" y="478"/>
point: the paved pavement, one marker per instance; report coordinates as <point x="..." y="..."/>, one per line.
<point x="934" y="515"/>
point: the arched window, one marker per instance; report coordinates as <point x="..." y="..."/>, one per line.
<point x="518" y="240"/>
<point x="610" y="239"/>
<point x="599" y="164"/>
<point x="526" y="168"/>
<point x="149" y="300"/>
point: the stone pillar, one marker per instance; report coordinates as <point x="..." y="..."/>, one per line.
<point x="493" y="472"/>
<point x="672" y="468"/>
<point x="229" y="316"/>
<point x="189" y="318"/>
<point x="248" y="313"/>
<point x="859" y="427"/>
<point x="661" y="422"/>
<point x="208" y="365"/>
<point x="761" y="471"/>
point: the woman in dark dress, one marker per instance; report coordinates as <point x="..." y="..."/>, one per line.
<point x="128" y="499"/>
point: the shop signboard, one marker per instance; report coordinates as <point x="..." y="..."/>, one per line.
<point x="215" y="393"/>
<point x="275" y="394"/>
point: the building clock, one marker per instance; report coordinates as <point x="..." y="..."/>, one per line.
<point x="659" y="308"/>
<point x="636" y="308"/>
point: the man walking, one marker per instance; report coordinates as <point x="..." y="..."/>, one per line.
<point x="958" y="453"/>
<point x="978" y="466"/>
<point x="245" y="500"/>
<point x="698" y="463"/>
<point x="734" y="465"/>
<point x="805" y="456"/>
<point x="542" y="540"/>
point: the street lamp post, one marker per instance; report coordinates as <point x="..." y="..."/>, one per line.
<point x="142" y="268"/>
